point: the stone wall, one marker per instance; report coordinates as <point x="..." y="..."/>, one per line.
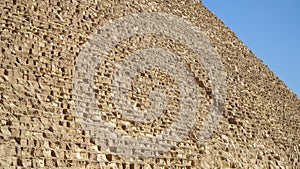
<point x="47" y="45"/>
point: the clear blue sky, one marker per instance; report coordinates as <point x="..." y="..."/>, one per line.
<point x="270" y="29"/>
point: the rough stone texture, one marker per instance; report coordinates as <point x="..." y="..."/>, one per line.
<point x="40" y="41"/>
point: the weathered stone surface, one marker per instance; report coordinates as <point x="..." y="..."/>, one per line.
<point x="39" y="127"/>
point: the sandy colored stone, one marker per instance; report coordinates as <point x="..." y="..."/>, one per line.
<point x="39" y="128"/>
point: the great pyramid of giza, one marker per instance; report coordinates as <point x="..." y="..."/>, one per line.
<point x="137" y="84"/>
